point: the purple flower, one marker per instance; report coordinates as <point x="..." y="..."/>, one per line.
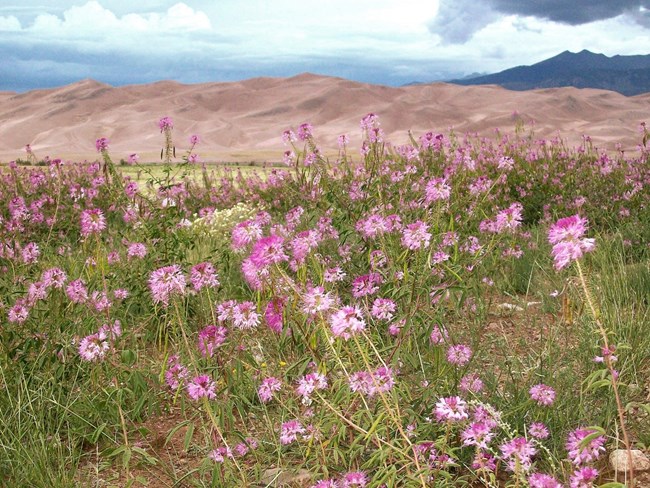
<point x="203" y="275"/>
<point x="538" y="430"/>
<point x="539" y="480"/>
<point x="165" y="123"/>
<point x="582" y="452"/>
<point x="273" y="314"/>
<point x="346" y="322"/>
<point x="583" y="478"/>
<point x="304" y="131"/>
<point x="518" y="453"/>
<point x="266" y="389"/>
<point x="542" y="394"/>
<point x="459" y="354"/>
<point x="268" y="250"/>
<point x="194" y="139"/>
<point x="92" y="222"/>
<point x="211" y="338"/>
<point x="568" y="243"/>
<point x="201" y="386"/>
<point x="310" y="383"/>
<point x="451" y="409"/>
<point x="166" y="282"/>
<point x="415" y="236"/>
<point x="289" y="431"/>
<point x="101" y="144"/>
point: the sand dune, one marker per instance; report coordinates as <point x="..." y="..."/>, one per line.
<point x="244" y="120"/>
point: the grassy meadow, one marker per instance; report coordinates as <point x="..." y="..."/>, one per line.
<point x="457" y="311"/>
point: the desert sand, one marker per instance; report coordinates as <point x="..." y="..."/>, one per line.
<point x="243" y="121"/>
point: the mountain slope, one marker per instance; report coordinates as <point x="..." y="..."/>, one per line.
<point x="628" y="75"/>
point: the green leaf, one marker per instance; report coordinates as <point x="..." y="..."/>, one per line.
<point x="188" y="436"/>
<point x="149" y="459"/>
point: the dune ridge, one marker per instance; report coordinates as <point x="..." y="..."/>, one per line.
<point x="243" y="121"/>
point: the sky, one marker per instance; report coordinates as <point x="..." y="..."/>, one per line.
<point x="48" y="43"/>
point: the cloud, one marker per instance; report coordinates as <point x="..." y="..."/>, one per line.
<point x="9" y="23"/>
<point x="575" y="12"/>
<point x="458" y="20"/>
<point x="92" y="20"/>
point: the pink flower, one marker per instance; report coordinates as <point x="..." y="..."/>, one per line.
<point x="54" y="278"/>
<point x="568" y="243"/>
<point x="220" y="454"/>
<point x="266" y="389"/>
<point x="289" y="431"/>
<point x="518" y="453"/>
<point x="165" y="123"/>
<point x="245" y="316"/>
<point x="354" y="478"/>
<point x="383" y="308"/>
<point x="310" y="383"/>
<point x="459" y="355"/>
<point x="203" y="275"/>
<point x="101" y="144"/>
<point x="438" y="336"/>
<point x="166" y="282"/>
<point x="366" y="285"/>
<point x="268" y="250"/>
<point x="194" y="139"/>
<point x="542" y="394"/>
<point x="580" y="452"/>
<point x="18" y="313"/>
<point x="316" y="300"/>
<point x="273" y="314"/>
<point x="538" y="430"/>
<point x="415" y="236"/>
<point x="30" y="253"/>
<point x="477" y="434"/>
<point x="94" y="347"/>
<point x="304" y="131"/>
<point x="451" y="409"/>
<point x="211" y="338"/>
<point x="76" y="291"/>
<point x="346" y="322"/>
<point x="136" y="250"/>
<point x="437" y="190"/>
<point x="583" y="478"/>
<point x="244" y="233"/>
<point x="471" y="383"/>
<point x="92" y="222"/>
<point x="176" y="374"/>
<point x="201" y="386"/>
<point x="539" y="480"/>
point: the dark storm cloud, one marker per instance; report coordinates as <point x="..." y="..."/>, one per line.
<point x="573" y="12"/>
<point x="458" y="20"/>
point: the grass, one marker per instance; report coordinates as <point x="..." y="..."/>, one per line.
<point x="361" y="396"/>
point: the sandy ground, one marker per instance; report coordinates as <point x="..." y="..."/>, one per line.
<point x="243" y="121"/>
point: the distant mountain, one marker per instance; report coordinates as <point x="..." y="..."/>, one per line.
<point x="629" y="75"/>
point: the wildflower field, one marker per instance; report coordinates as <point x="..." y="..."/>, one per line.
<point x="458" y="311"/>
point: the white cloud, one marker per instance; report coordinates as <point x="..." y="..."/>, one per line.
<point x="92" y="20"/>
<point x="9" y="23"/>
